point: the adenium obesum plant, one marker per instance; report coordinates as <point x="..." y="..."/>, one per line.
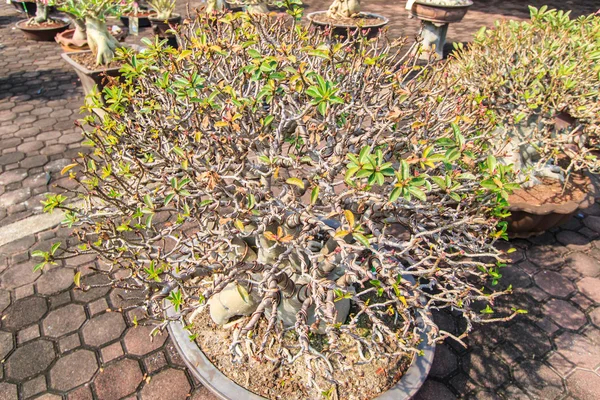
<point x="72" y="8"/>
<point x="524" y="77"/>
<point x="94" y="12"/>
<point x="344" y="9"/>
<point x="312" y="187"/>
<point x="162" y="8"/>
<point x="41" y="12"/>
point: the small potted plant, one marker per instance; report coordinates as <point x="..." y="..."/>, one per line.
<point x="41" y="27"/>
<point x="140" y="11"/>
<point x="163" y="18"/>
<point x="546" y="109"/>
<point x="300" y="206"/>
<point x="345" y="16"/>
<point x="93" y="65"/>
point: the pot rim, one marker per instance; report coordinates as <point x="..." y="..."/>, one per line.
<point x="152" y="17"/>
<point x="385" y="21"/>
<point x="67" y="58"/>
<point x="65" y="21"/>
<point x="444" y="6"/>
<point x="567" y="207"/>
<point x="225" y="389"/>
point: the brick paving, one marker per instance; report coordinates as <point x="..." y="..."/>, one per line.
<point x="58" y="342"/>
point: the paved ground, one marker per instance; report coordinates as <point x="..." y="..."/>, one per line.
<point x="57" y="341"/>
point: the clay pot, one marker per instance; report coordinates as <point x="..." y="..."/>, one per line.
<point x="42" y="34"/>
<point x="527" y="220"/>
<point x="160" y="26"/>
<point x="439" y="14"/>
<point x="341" y="29"/>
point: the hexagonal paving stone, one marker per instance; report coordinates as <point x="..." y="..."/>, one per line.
<point x="529" y="340"/>
<point x="169" y="384"/>
<point x="579" y="350"/>
<point x="565" y="314"/>
<point x="24" y="312"/>
<point x="103" y="328"/>
<point x="64" y="320"/>
<point x="584" y="264"/>
<point x="485" y="368"/>
<point x="538" y="380"/>
<point x="431" y="390"/>
<point x="595" y="317"/>
<point x="139" y="342"/>
<point x="118" y="379"/>
<point x="444" y="362"/>
<point x="548" y="257"/>
<point x="590" y="287"/>
<point x="8" y="391"/>
<point x="584" y="384"/>
<point x="29" y="360"/>
<point x="92" y="293"/>
<point x="6" y="344"/>
<point x="73" y="370"/>
<point x="573" y="239"/>
<point x="554" y="283"/>
<point x="19" y="275"/>
<point x="55" y="280"/>
<point x="4" y="299"/>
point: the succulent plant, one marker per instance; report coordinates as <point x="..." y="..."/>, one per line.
<point x="522" y="76"/>
<point x="313" y="187"/>
<point x="163" y="8"/>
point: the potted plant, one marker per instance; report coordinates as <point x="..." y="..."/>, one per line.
<point x="41" y="27"/>
<point x="345" y="16"/>
<point x="546" y="108"/>
<point x="163" y="18"/>
<point x="141" y="12"/>
<point x="436" y="15"/>
<point x="301" y="206"/>
<point x="93" y="65"/>
<point x="76" y="39"/>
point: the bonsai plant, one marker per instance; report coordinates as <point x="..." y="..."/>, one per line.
<point x="41" y="27"/>
<point x="131" y="9"/>
<point x="163" y="17"/>
<point x="92" y="66"/>
<point x="538" y="81"/>
<point x="76" y="39"/>
<point x="345" y="16"/>
<point x="303" y="205"/>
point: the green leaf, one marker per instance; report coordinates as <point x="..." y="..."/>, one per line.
<point x="295" y="182"/>
<point x="314" y="195"/>
<point x="361" y="238"/>
<point x="243" y="293"/>
<point x="54" y="247"/>
<point x="404" y="170"/>
<point x="395" y="194"/>
<point x="169" y="198"/>
<point x="418" y="193"/>
<point x="491" y="163"/>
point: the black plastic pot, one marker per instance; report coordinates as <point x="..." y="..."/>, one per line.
<point x="143" y="22"/>
<point x="226" y="389"/>
<point x="28" y="7"/>
<point x="160" y="26"/>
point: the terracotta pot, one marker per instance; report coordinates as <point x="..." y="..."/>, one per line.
<point x="65" y="39"/>
<point x="529" y="220"/>
<point x="160" y="26"/>
<point x="340" y="29"/>
<point x="42" y="34"/>
<point x="439" y="14"/>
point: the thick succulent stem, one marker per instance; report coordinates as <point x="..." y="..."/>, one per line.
<point x="163" y="15"/>
<point x="259" y="8"/>
<point x="101" y="42"/>
<point x="41" y="13"/>
<point x="344" y="9"/>
<point x="215" y="6"/>
<point x="80" y="31"/>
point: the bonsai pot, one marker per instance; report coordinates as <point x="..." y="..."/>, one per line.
<point x="42" y="33"/>
<point x="527" y="220"/>
<point x="160" y="26"/>
<point x="441" y="14"/>
<point x="344" y="28"/>
<point x="143" y="21"/>
<point x="65" y="39"/>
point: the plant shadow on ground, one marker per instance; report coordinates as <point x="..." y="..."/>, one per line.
<point x="533" y="354"/>
<point x="50" y="84"/>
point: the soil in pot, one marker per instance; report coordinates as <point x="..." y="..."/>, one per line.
<point x="88" y="60"/>
<point x="361" y="20"/>
<point x="551" y="192"/>
<point x="362" y="381"/>
<point x="43" y="25"/>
